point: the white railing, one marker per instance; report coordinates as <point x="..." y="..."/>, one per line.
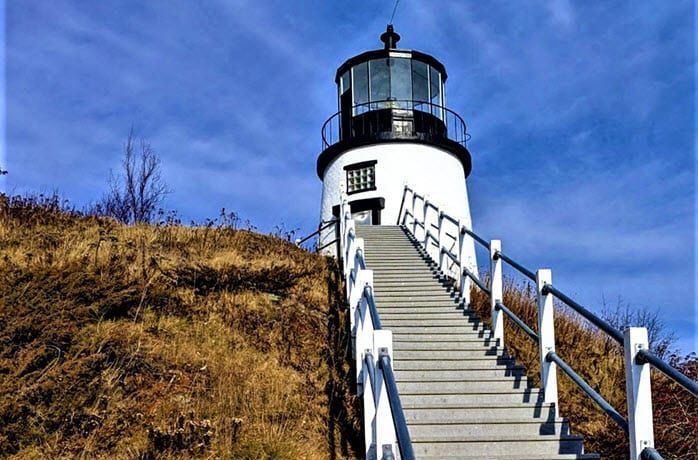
<point x="385" y="430"/>
<point x="427" y="224"/>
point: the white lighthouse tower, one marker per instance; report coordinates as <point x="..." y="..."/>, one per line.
<point x="392" y="129"/>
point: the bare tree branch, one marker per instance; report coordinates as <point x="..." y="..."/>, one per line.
<point x="134" y="195"/>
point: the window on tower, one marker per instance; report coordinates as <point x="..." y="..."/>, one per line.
<point x="361" y="177"/>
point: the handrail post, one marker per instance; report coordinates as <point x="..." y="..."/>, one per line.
<point x="349" y="227"/>
<point x="440" y="239"/>
<point x="546" y="331"/>
<point x="425" y="221"/>
<point x="496" y="292"/>
<point x="386" y="439"/>
<point x="402" y="220"/>
<point x="358" y="317"/>
<point x="414" y="217"/>
<point x="638" y="392"/>
<point x="465" y="281"/>
<point x="369" y="404"/>
<point x="355" y="251"/>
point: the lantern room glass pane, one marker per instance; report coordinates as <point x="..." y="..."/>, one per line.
<point x="346" y="82"/>
<point x="401" y="81"/>
<point x="380" y="82"/>
<point x="360" y="86"/>
<point x="420" y="81"/>
<point x="435" y="91"/>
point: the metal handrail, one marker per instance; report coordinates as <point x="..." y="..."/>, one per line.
<point x="450" y="255"/>
<point x="431" y="205"/>
<point x="477" y="281"/>
<point x="458" y="134"/>
<point x="431" y="236"/>
<point x="368" y="360"/>
<point x="523" y="326"/>
<point x="646" y="356"/>
<point x="475" y="236"/>
<point x="595" y="320"/>
<point x="598" y="399"/>
<point x="447" y="217"/>
<point x="649" y="453"/>
<point x="525" y="271"/>
<point x="321" y="227"/>
<point x="373" y="311"/>
<point x="328" y="244"/>
<point x="403" y="435"/>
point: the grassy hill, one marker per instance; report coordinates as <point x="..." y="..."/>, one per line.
<point x="209" y="342"/>
<point x="166" y="342"/>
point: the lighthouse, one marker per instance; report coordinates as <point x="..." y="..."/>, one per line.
<point x="392" y="130"/>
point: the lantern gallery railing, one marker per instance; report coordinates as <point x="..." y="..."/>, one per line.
<point x="445" y="240"/>
<point x="395" y="119"/>
<point x="385" y="428"/>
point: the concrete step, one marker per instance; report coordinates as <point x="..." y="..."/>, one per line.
<point x="442" y="399"/>
<point x="448" y="355"/>
<point x="407" y="284"/>
<point x="462" y="364"/>
<point x="411" y="302"/>
<point x="436" y="339"/>
<point x="379" y="276"/>
<point x="403" y="354"/>
<point x="411" y="291"/>
<point x="447" y="305"/>
<point x="489" y="447"/>
<point x="462" y="387"/>
<point x="389" y="243"/>
<point x="453" y="310"/>
<point x="402" y="293"/>
<point x="488" y="372"/>
<point x="419" y="329"/>
<point x="410" y="270"/>
<point x="444" y="346"/>
<point x="451" y="346"/>
<point x="452" y="314"/>
<point x="451" y="322"/>
<point x="486" y="429"/>
<point x="416" y="412"/>
<point x="401" y="262"/>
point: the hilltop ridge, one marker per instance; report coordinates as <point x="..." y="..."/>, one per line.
<point x="171" y="341"/>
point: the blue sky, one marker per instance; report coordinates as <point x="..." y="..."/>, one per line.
<point x="581" y="116"/>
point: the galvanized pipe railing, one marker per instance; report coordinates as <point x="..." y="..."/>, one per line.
<point x="634" y="340"/>
<point x="598" y="399"/>
<point x="323" y="225"/>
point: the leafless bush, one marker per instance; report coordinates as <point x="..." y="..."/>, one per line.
<point x="622" y="315"/>
<point x="135" y="194"/>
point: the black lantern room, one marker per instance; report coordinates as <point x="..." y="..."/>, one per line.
<point x="392" y="95"/>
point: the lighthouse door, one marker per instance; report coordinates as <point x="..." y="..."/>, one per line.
<point x="363" y="217"/>
<point x="364" y="212"/>
<point x="367" y="211"/>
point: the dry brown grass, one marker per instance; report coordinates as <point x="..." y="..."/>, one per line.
<point x="599" y="361"/>
<point x="167" y="342"/>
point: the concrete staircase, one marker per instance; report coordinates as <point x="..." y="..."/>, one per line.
<point x="462" y="396"/>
